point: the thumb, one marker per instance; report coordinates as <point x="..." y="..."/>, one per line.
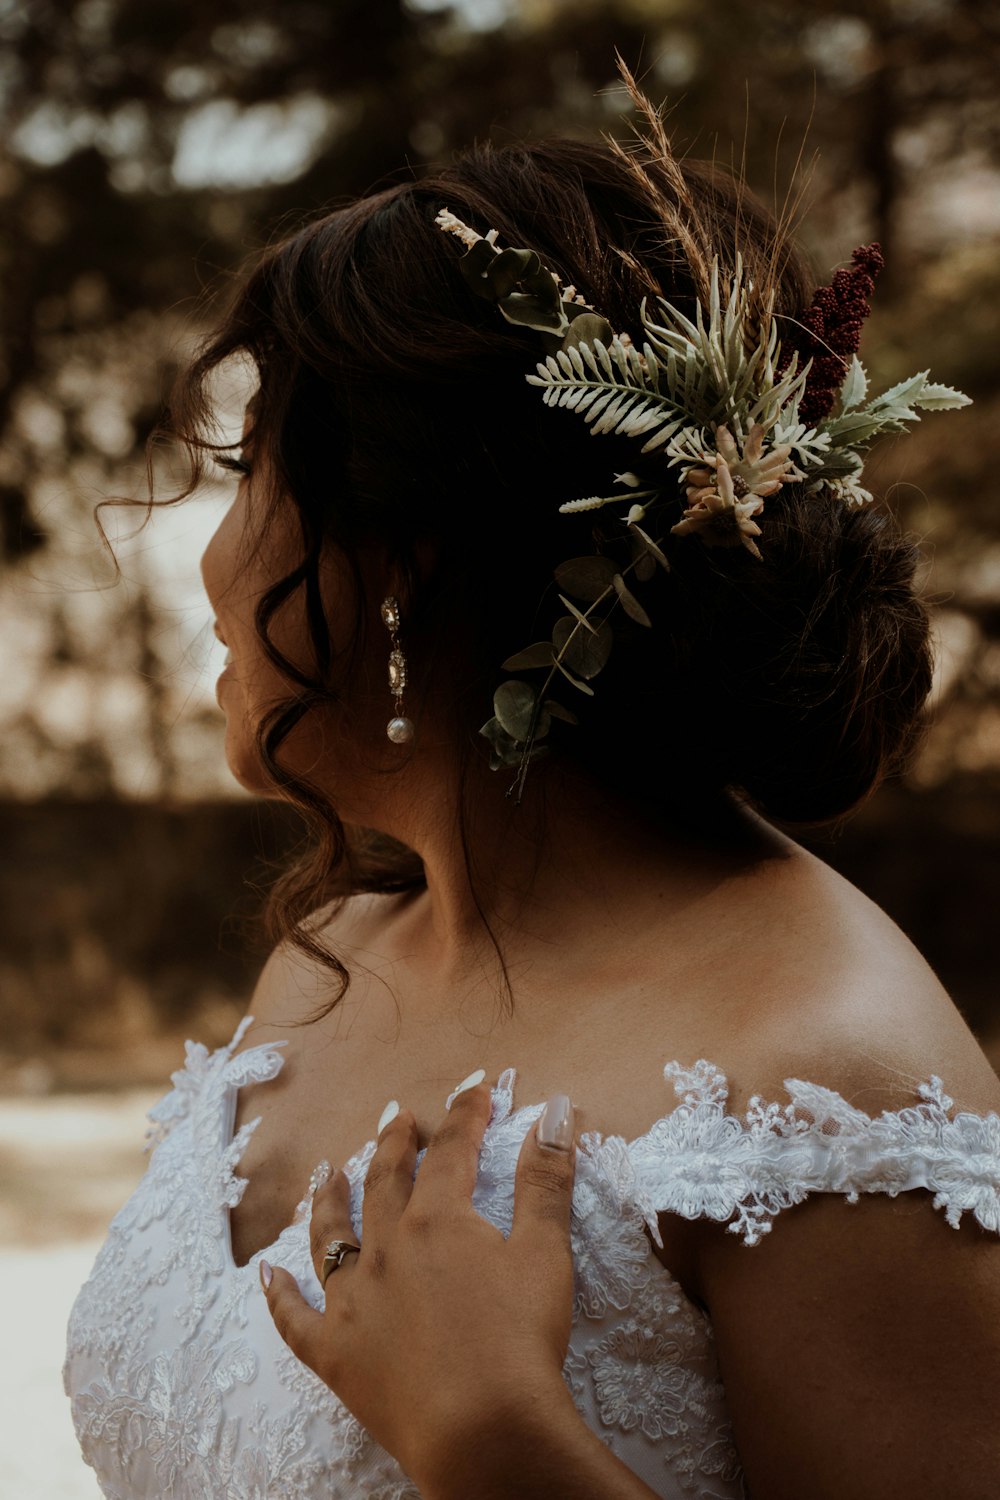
<point x="546" y="1166"/>
<point x="298" y="1324"/>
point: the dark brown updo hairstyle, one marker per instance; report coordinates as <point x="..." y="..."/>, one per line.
<point x="393" y="406"/>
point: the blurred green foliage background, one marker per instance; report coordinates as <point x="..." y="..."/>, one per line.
<point x="147" y="147"/>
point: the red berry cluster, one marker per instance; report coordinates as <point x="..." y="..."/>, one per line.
<point x="829" y="331"/>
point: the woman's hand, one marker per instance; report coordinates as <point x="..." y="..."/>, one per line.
<point x="441" y="1329"/>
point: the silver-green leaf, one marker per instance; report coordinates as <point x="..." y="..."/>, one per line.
<point x="538" y="655"/>
<point x="630" y="603"/>
<point x="585" y="654"/>
<point x="586" y="577"/>
<point x="514" y="704"/>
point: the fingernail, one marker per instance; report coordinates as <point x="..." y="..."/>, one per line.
<point x="318" y="1177"/>
<point x="555" y="1126"/>
<point x="389" y="1113"/>
<point x="266" y="1272"/>
<point x="467" y="1083"/>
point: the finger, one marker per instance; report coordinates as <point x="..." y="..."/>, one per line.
<point x="450" y="1167"/>
<point x="389" y="1180"/>
<point x="546" y="1170"/>
<point x="300" y="1325"/>
<point x="331" y="1220"/>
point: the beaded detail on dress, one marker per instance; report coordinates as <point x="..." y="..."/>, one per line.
<point x="180" y="1386"/>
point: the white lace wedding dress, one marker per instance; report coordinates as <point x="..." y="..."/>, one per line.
<point x="182" y="1390"/>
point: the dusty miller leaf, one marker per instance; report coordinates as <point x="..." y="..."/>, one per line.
<point x="855" y="386"/>
<point x="942" y="398"/>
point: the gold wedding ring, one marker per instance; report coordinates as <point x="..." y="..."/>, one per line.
<point x="335" y="1253"/>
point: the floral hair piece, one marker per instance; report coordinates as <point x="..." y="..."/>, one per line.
<point x="716" y="406"/>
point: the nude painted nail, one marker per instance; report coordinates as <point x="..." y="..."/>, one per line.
<point x="555" y="1126"/>
<point x="266" y="1274"/>
<point x="467" y="1083"/>
<point x="389" y="1113"/>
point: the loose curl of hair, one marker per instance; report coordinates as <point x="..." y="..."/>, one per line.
<point x="392" y="406"/>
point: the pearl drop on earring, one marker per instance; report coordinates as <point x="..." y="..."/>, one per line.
<point x="399" y="730"/>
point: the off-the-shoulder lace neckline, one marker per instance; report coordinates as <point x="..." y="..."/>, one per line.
<point x="697" y="1160"/>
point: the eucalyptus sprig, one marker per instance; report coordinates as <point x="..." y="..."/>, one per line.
<point x="578" y="650"/>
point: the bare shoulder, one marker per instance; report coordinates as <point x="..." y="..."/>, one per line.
<point x="835" y="993"/>
<point x="293" y="986"/>
<point x="893" y="1314"/>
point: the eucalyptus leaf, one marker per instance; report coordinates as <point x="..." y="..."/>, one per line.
<point x="588" y="328"/>
<point x="504" y="751"/>
<point x="652" y="549"/>
<point x="474" y="266"/>
<point x="585" y="654"/>
<point x="583" y="687"/>
<point x="523" y="290"/>
<point x="558" y="712"/>
<point x="514" y="705"/>
<point x="630" y="603"/>
<point x="509" y="268"/>
<point x="587" y="577"/>
<point x="577" y="614"/>
<point x="533" y="312"/>
<point x="644" y="566"/>
<point x="538" y="655"/>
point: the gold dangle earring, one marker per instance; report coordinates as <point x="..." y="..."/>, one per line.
<point x="399" y="728"/>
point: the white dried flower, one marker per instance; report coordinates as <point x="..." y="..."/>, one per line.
<point x="451" y="224"/>
<point x="719" y="516"/>
<point x="753" y="472"/>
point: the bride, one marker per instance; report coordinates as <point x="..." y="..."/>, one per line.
<point x="731" y="1036"/>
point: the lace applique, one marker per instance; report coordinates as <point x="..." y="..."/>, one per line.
<point x="109" y="1321"/>
<point x="700" y="1162"/>
<point x="610" y="1250"/>
<point x="655" y="1372"/>
<point x="171" y="1410"/>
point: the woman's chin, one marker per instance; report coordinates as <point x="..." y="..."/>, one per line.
<point x="243" y="760"/>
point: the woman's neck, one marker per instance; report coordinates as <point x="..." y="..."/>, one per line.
<point x="550" y="877"/>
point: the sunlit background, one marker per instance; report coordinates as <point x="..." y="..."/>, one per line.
<point x="147" y="147"/>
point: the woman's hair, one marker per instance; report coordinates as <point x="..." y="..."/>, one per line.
<point x="393" y="408"/>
